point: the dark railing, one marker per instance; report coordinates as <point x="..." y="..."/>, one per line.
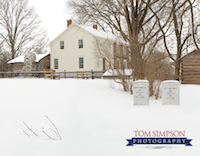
<point x="64" y="74"/>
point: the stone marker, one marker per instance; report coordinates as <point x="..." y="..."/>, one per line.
<point x="141" y="92"/>
<point x="170" y="92"/>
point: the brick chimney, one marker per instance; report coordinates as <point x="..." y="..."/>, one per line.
<point x="69" y="22"/>
<point x="95" y="27"/>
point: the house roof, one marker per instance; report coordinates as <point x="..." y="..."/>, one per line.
<point x="91" y="30"/>
<point x="194" y="51"/>
<point x="114" y="72"/>
<point x="20" y="59"/>
<point x="98" y="33"/>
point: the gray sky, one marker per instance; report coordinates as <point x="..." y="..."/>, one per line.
<point x="53" y="15"/>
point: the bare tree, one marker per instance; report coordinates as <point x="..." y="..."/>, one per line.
<point x="177" y="35"/>
<point x="20" y="28"/>
<point x="195" y="20"/>
<point x="132" y="20"/>
<point x="4" y="57"/>
<point x="158" y="68"/>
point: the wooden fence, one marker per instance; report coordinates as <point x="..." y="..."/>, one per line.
<point x="40" y="74"/>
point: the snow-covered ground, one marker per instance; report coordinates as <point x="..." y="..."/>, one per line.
<point x="93" y="117"/>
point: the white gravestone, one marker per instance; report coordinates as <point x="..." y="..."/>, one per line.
<point x="170" y="92"/>
<point x="141" y="92"/>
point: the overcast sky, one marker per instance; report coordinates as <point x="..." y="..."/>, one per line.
<point x="53" y="14"/>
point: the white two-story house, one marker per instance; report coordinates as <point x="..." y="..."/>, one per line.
<point x="75" y="49"/>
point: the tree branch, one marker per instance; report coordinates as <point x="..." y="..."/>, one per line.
<point x="59" y="136"/>
<point x="30" y="129"/>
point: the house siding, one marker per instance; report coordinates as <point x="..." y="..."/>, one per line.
<point x="121" y="54"/>
<point x="44" y="63"/>
<point x="190" y="68"/>
<point x="17" y="66"/>
<point x="69" y="56"/>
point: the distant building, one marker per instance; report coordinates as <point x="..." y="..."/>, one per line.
<point x="190" y="68"/>
<point x="42" y="61"/>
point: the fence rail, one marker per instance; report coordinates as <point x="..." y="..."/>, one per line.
<point x="64" y="74"/>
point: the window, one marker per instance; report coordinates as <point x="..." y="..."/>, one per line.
<point x="55" y="63"/>
<point x="125" y="64"/>
<point x="97" y="43"/>
<point x="80" y="43"/>
<point x="104" y="46"/>
<point x="109" y="47"/>
<point x="110" y="67"/>
<point x="124" y="50"/>
<point x="62" y="45"/>
<point x="115" y="48"/>
<point x="81" y="62"/>
<point x="118" y="64"/>
<point x="120" y="49"/>
<point x="98" y="62"/>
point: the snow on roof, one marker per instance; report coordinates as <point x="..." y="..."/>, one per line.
<point x="20" y="59"/>
<point x="41" y="56"/>
<point x="114" y="72"/>
<point x="99" y="33"/>
<point x="91" y="30"/>
<point x="141" y="81"/>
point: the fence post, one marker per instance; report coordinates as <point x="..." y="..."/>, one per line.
<point x="92" y="74"/>
<point x="65" y="74"/>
